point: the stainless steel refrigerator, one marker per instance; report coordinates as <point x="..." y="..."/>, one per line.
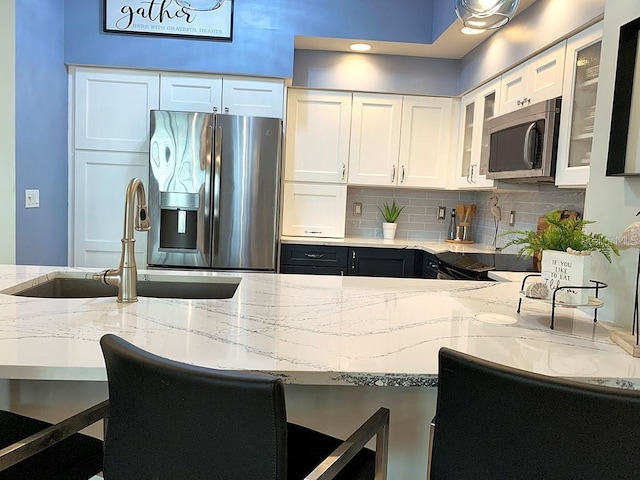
<point x="214" y="187"/>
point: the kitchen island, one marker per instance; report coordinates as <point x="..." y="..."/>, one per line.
<point x="343" y="345"/>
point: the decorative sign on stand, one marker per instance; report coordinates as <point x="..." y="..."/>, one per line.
<point x="191" y="18"/>
<point x="562" y="268"/>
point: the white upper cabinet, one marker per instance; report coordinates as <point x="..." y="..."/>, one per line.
<point x="317" y="139"/>
<point x="425" y="142"/>
<point x="190" y="93"/>
<point x="536" y="80"/>
<point x="400" y="141"/>
<point x="375" y="139"/>
<point x="582" y="69"/>
<point x="476" y="110"/>
<point x="111" y="110"/>
<point x="258" y="97"/>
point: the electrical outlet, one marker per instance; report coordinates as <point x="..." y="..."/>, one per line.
<point x="512" y="218"/>
<point x="32" y="198"/>
<point x="442" y="211"/>
<point x="357" y="209"/>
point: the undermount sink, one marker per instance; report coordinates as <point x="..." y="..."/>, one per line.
<point x="72" y="285"/>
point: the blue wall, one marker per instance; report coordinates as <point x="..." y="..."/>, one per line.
<point x="41" y="132"/>
<point x="263" y="35"/>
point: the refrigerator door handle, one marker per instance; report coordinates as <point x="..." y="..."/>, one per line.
<point x="217" y="159"/>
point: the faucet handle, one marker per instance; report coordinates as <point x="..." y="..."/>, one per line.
<point x="142" y="219"/>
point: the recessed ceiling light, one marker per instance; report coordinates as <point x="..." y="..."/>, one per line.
<point x="360" y="47"/>
<point x="472" y="31"/>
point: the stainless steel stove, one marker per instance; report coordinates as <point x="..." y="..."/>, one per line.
<point x="475" y="266"/>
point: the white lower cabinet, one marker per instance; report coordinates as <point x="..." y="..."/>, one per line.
<point x="314" y="209"/>
<point x="101" y="180"/>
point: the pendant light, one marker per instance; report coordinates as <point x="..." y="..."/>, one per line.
<point x="485" y="14"/>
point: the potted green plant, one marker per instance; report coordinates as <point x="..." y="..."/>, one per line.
<point x="565" y="251"/>
<point x="390" y="213"/>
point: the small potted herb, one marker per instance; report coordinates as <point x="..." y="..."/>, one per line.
<point x="390" y="213"/>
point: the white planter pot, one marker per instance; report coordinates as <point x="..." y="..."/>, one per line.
<point x="389" y="230"/>
<point x="562" y="268"/>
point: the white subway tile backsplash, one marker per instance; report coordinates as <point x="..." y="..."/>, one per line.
<point x="418" y="220"/>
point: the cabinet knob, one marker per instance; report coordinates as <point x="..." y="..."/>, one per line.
<point x="344" y="170"/>
<point x="402" y="175"/>
<point x="472" y="170"/>
<point x="226" y="109"/>
<point x="393" y="174"/>
<point x="215" y="109"/>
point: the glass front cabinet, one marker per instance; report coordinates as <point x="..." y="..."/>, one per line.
<point x="476" y="109"/>
<point x="582" y="68"/>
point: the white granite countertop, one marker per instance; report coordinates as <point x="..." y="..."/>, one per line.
<point x="428" y="246"/>
<point x="308" y="329"/>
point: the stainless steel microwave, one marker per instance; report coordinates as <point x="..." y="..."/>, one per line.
<point x="523" y="144"/>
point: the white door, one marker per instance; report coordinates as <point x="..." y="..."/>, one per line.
<point x="579" y="94"/>
<point x="375" y="139"/>
<point x="488" y="99"/>
<point x="101" y="179"/>
<point x="253" y="97"/>
<point x="546" y="72"/>
<point x="190" y="93"/>
<point x="317" y="139"/>
<point x="466" y="134"/>
<point x="425" y="142"/>
<point x="111" y="142"/>
<point x="112" y="109"/>
<point x="314" y="210"/>
<point x="513" y="89"/>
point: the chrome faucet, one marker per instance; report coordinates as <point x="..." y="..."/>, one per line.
<point x="125" y="277"/>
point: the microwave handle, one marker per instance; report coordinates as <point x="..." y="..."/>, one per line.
<point x="527" y="145"/>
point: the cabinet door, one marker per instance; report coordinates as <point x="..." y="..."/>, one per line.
<point x="488" y="99"/>
<point x="253" y="97"/>
<point x="112" y="107"/>
<point x="101" y="180"/>
<point x="382" y="262"/>
<point x="467" y="132"/>
<point x="375" y="139"/>
<point x="545" y="74"/>
<point x="582" y="69"/>
<point x="513" y="89"/>
<point x="314" y="259"/>
<point x="317" y="140"/>
<point x="534" y="81"/>
<point x="425" y="140"/>
<point x="190" y="93"/>
<point x="314" y="210"/>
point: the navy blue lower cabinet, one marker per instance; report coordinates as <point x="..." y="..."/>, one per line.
<point x="382" y="262"/>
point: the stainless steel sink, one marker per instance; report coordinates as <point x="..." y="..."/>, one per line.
<point x="72" y="286"/>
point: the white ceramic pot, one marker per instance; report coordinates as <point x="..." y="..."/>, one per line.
<point x="389" y="230"/>
<point x="562" y="269"/>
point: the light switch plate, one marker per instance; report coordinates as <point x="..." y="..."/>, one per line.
<point x="357" y="209"/>
<point x="32" y="198"/>
<point x="442" y="211"/>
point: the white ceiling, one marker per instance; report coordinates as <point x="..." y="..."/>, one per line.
<point x="451" y="44"/>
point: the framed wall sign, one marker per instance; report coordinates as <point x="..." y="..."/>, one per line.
<point x="210" y="19"/>
<point x="624" y="140"/>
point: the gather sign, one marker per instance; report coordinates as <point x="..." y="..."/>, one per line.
<point x="194" y="18"/>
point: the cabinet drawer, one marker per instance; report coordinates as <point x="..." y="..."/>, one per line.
<point x="314" y="256"/>
<point x="311" y="270"/>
